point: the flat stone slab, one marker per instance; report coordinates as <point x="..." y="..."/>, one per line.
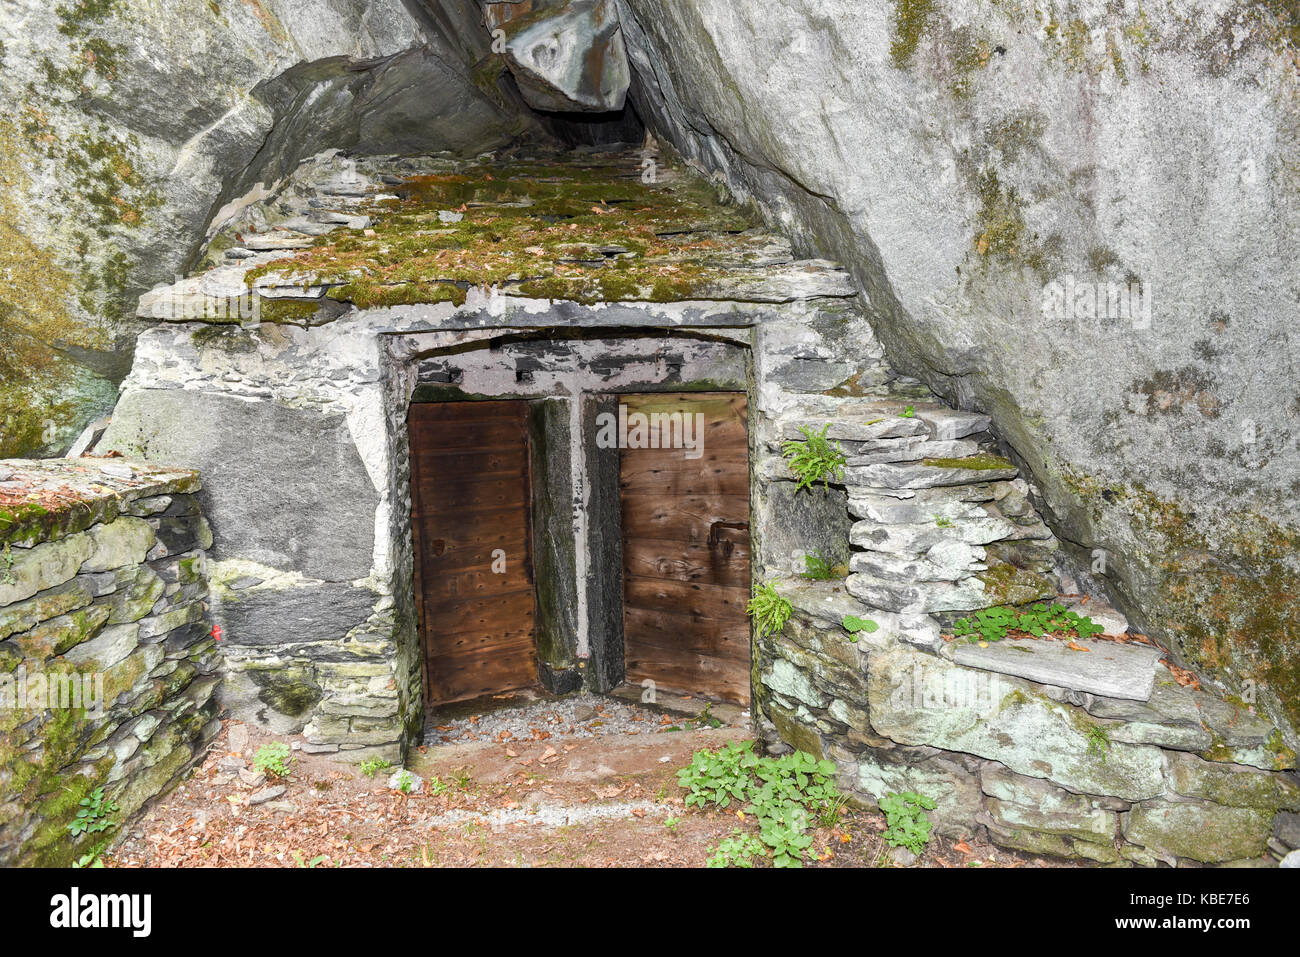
<point x="1110" y="668"/>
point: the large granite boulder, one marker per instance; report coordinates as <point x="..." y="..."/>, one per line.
<point x="128" y="125"/>
<point x="1079" y="218"/>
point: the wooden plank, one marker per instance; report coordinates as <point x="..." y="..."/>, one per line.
<point x="471" y="615"/>
<point x="461" y="677"/>
<point x="484" y="495"/>
<point x="460" y="412"/>
<point x="449" y="557"/>
<point x="466" y="436"/>
<point x="680" y="561"/>
<point x="720" y="602"/>
<point x="475" y="640"/>
<point x="692" y="674"/>
<point x="706" y="476"/>
<point x="693" y="634"/>
<point x="443" y="586"/>
<point x="689" y="518"/>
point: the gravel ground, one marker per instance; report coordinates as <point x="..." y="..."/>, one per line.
<point x="580" y="715"/>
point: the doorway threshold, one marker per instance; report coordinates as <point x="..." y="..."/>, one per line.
<point x="687" y="706"/>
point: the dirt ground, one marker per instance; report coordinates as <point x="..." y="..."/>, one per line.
<point x="544" y="801"/>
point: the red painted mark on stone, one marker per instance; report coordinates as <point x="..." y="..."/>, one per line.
<point x="216" y="632"/>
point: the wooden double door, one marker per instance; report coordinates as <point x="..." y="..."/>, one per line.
<point x="686" y="557"/>
<point x="685" y="548"/>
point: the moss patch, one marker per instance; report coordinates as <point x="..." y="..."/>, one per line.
<point x="1227" y="590"/>
<point x="981" y="462"/>
<point x="578" y="228"/>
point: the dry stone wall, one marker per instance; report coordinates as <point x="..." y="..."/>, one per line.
<point x="107" y="658"/>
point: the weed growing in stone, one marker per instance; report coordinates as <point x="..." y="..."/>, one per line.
<point x="769" y="610"/>
<point x="818" y="568"/>
<point x="994" y="624"/>
<point x="7" y="562"/>
<point x="1098" y="741"/>
<point x="816" y="459"/>
<point x="906" y="823"/>
<point x="93" y="860"/>
<point x="705" y="719"/>
<point x="781" y="794"/>
<point x="93" y="815"/>
<point x="855" y="625"/>
<point x="273" y="758"/>
<point x="405" y="783"/>
<point x="373" y="766"/>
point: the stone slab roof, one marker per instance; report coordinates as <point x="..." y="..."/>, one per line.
<point x="379" y="232"/>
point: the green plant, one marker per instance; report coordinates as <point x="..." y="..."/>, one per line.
<point x="671" y="823"/>
<point x="906" y="823"/>
<point x="1098" y="741"/>
<point x="705" y="719"/>
<point x="781" y="794"/>
<point x="816" y="459"/>
<point x="373" y="766"/>
<point x="404" y="781"/>
<point x="943" y="522"/>
<point x="93" y="859"/>
<point x="273" y="758"/>
<point x="993" y="624"/>
<point x="437" y="785"/>
<point x="739" y="850"/>
<point x="7" y="560"/>
<point x="818" y="568"/>
<point x="93" y="814"/>
<point x="301" y="861"/>
<point x="829" y="812"/>
<point x="769" y="610"/>
<point x="908" y="413"/>
<point x="853" y="624"/>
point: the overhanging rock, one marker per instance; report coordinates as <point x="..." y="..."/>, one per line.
<point x="566" y="55"/>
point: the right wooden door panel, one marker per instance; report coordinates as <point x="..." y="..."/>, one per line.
<point x="686" y="561"/>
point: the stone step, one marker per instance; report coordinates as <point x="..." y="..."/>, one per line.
<point x="973" y="470"/>
<point x="1109" y="668"/>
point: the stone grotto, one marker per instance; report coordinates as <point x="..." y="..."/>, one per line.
<point x="311" y="312"/>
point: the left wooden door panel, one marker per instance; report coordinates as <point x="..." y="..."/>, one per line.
<point x="470" y="502"/>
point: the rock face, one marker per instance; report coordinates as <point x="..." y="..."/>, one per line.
<point x="1054" y="210"/>
<point x="107" y="658"/>
<point x="568" y="55"/>
<point x="131" y="124"/>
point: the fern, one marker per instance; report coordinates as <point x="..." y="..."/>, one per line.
<point x="769" y="610"/>
<point x="816" y="459"/>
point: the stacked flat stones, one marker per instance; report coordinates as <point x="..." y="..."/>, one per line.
<point x="104" y="575"/>
<point x="942" y="523"/>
